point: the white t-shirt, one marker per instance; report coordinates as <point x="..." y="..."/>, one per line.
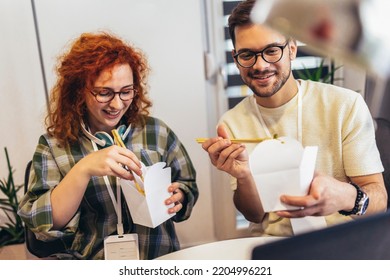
<point x="335" y="119"/>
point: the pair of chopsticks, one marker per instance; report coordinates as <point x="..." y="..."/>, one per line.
<point x="237" y="140"/>
<point x="242" y="140"/>
<point x="119" y="142"/>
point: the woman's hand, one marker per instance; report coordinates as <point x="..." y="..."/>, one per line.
<point x="177" y="198"/>
<point x="112" y="161"/>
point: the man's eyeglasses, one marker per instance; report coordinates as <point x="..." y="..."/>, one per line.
<point x="105" y="95"/>
<point x="271" y="54"/>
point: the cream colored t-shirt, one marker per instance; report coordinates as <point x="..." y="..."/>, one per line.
<point x="335" y="119"/>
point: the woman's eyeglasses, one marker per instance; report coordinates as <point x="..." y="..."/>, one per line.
<point x="105" y="95"/>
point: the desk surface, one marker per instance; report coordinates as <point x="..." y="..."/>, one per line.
<point x="232" y="249"/>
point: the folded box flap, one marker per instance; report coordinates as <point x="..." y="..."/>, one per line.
<point x="276" y="154"/>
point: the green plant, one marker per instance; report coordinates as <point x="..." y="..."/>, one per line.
<point x="318" y="74"/>
<point x="13" y="230"/>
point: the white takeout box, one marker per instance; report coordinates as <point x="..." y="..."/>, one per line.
<point x="149" y="209"/>
<point x="282" y="166"/>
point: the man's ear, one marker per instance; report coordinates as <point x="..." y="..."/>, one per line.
<point x="233" y="53"/>
<point x="293" y="49"/>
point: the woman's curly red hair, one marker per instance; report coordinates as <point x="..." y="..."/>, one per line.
<point x="78" y="68"/>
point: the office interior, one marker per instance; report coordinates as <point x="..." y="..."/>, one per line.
<point x="192" y="83"/>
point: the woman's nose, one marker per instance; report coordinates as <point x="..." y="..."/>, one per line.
<point x="116" y="102"/>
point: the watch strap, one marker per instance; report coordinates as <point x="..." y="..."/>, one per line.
<point x="359" y="196"/>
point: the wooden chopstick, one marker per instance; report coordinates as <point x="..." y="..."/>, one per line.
<point x="118" y="140"/>
<point x="237" y="140"/>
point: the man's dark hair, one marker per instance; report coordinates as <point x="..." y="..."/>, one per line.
<point x="240" y="16"/>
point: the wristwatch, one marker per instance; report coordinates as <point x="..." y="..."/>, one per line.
<point x="361" y="203"/>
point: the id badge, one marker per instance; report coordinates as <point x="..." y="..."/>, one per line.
<point x="121" y="247"/>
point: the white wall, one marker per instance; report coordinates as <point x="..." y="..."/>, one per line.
<point x="22" y="100"/>
<point x="171" y="34"/>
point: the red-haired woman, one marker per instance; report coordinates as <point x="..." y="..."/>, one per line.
<point x="101" y="86"/>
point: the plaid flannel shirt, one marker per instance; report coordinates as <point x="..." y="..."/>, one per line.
<point x="96" y="217"/>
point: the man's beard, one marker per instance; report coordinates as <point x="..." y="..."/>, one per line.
<point x="276" y="86"/>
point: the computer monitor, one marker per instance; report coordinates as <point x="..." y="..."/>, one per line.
<point x="367" y="238"/>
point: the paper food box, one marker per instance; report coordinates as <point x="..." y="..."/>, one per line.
<point x="146" y="199"/>
<point x="282" y="166"/>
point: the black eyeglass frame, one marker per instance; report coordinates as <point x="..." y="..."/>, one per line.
<point x="256" y="54"/>
<point x="113" y="94"/>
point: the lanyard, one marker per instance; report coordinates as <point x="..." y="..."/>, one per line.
<point x="116" y="203"/>
<point x="299" y="117"/>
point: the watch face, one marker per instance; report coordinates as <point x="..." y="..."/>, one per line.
<point x="363" y="204"/>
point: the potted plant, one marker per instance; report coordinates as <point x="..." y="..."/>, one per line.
<point x="12" y="232"/>
<point x="321" y="73"/>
